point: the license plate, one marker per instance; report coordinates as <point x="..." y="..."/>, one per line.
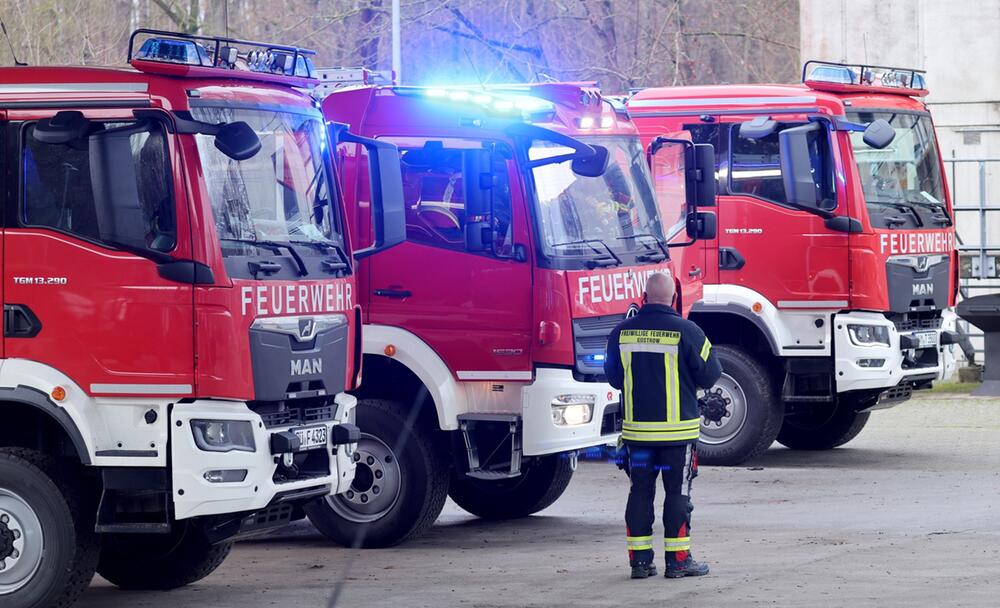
<point x="311" y="437"/>
<point x="926" y="339"/>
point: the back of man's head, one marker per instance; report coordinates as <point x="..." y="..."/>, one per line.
<point x="660" y="288"/>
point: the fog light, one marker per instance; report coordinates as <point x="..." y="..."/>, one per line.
<point x="226" y="476"/>
<point x="573" y="410"/>
<point x="871" y="362"/>
<point x="224" y="435"/>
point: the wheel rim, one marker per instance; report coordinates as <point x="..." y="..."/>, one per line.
<point x="377" y="482"/>
<point x="735" y="418"/>
<point x="21" y="542"/>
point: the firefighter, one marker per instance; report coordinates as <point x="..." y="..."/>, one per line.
<point x="658" y="360"/>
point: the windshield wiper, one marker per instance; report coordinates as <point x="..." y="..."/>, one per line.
<point x="941" y="217"/>
<point x="339" y="264"/>
<point x="904" y="206"/>
<point x="612" y="260"/>
<point x="649" y="257"/>
<point x="276" y="247"/>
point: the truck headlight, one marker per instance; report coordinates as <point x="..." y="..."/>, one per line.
<point x="869" y="335"/>
<point x="224" y="435"/>
<point x="573" y="410"/>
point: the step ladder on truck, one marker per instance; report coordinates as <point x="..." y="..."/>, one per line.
<point x="181" y="320"/>
<point x="531" y="226"/>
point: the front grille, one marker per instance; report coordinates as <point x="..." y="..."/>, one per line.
<point x="283" y="414"/>
<point x="590" y="340"/>
<point x="917" y="321"/>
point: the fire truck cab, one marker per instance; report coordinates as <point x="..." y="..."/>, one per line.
<point x="181" y="321"/>
<point x="828" y="283"/>
<point x="531" y="226"/>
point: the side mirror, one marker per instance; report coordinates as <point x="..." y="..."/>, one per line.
<point x="64" y="127"/>
<point x="701" y="184"/>
<point x="478" y="199"/>
<point x="237" y="140"/>
<point x="702" y="225"/>
<point x="112" y="174"/>
<point x="797" y="166"/>
<point x="758" y="128"/>
<point x="593" y="165"/>
<point x="879" y="134"/>
<point x="388" y="206"/>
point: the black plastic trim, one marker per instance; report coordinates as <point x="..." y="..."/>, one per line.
<point x="186" y="271"/>
<point x="128" y="453"/>
<point x="843" y="223"/>
<point x="32" y="326"/>
<point x="34" y="397"/>
<point x="731" y="259"/>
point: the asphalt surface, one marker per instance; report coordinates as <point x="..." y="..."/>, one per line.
<point x="905" y="515"/>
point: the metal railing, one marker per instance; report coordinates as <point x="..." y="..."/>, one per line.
<point x="978" y="261"/>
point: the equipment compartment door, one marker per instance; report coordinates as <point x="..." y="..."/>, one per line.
<point x="456" y="282"/>
<point x="97" y="311"/>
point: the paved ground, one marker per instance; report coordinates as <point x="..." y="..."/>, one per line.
<point x="906" y="515"/>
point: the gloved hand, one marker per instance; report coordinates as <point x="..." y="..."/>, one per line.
<point x="620" y="456"/>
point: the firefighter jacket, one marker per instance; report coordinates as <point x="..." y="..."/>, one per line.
<point x="658" y="360"/>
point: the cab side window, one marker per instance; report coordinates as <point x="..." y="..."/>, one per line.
<point x="57" y="191"/>
<point x="755" y="164"/>
<point x="451" y="186"/>
<point x="756" y="167"/>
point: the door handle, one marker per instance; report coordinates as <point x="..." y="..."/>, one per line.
<point x="20" y="322"/>
<point x="730" y="259"/>
<point x="695" y="271"/>
<point x="393" y="293"/>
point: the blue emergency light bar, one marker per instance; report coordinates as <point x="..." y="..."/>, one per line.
<point x="224" y="53"/>
<point x="862" y="76"/>
<point x="510" y="103"/>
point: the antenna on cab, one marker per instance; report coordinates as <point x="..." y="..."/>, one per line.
<point x="17" y="61"/>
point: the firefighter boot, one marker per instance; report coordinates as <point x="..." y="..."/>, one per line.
<point x="643" y="570"/>
<point x="679" y="568"/>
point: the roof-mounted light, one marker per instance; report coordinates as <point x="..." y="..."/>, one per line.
<point x="222" y="54"/>
<point x="842" y="77"/>
<point x="506" y="103"/>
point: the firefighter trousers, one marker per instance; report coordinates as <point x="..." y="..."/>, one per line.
<point x="679" y="466"/>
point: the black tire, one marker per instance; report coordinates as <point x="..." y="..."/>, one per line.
<point x="823" y="432"/>
<point x="158" y="562"/>
<point x="412" y="488"/>
<point x="540" y="485"/>
<point x="758" y="426"/>
<point x="64" y="516"/>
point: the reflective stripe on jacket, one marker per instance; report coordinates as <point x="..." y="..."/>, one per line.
<point x="658" y="360"/>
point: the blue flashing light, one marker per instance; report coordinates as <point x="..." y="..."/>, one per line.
<point x="598" y="358"/>
<point x="503" y="102"/>
<point x="186" y="52"/>
<point x="834" y="74"/>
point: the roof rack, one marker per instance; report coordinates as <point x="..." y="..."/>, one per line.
<point x="178" y="53"/>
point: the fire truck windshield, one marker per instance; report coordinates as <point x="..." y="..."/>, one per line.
<point x="614" y="209"/>
<point x="902" y="182"/>
<point x="280" y="195"/>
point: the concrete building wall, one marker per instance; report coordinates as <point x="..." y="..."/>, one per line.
<point x="958" y="43"/>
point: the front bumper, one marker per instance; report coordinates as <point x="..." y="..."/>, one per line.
<point x="542" y="436"/>
<point x="331" y="470"/>
<point x="899" y="362"/>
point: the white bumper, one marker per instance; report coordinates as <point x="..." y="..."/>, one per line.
<point x="541" y="435"/>
<point x="852" y="375"/>
<point x="195" y="496"/>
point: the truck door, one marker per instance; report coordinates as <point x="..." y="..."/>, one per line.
<point x="460" y="281"/>
<point x="765" y="242"/>
<point x="79" y="298"/>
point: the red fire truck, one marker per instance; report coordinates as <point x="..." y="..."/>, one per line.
<point x="181" y="321"/>
<point x="835" y="257"/>
<point x="531" y="226"/>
